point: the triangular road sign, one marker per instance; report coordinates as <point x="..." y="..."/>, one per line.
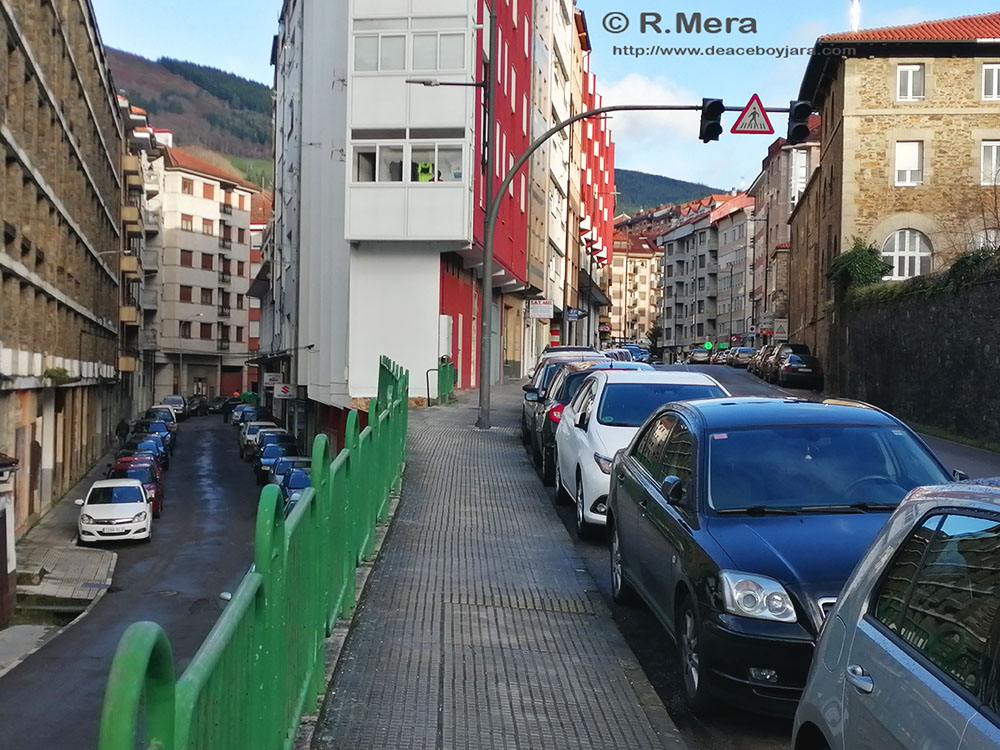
<point x="753" y="120"/>
<point x="781" y="329"/>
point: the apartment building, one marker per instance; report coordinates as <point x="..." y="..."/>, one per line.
<point x="785" y="172"/>
<point x="636" y="287"/>
<point x="733" y="225"/>
<point x="201" y="276"/>
<point x="64" y="228"/>
<point x="910" y="156"/>
<point x="261" y="212"/>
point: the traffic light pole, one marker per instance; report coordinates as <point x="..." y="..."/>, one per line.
<point x="486" y="351"/>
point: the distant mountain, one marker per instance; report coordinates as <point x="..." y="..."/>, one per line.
<point x="204" y="107"/>
<point x="638" y="191"/>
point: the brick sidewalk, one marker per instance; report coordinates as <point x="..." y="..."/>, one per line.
<point x="480" y="627"/>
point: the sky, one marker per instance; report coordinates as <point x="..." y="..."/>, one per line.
<point x="235" y="35"/>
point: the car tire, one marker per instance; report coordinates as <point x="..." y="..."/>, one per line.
<point x="584" y="530"/>
<point x="687" y="628"/>
<point x="561" y="495"/>
<point x="548" y="469"/>
<point x="621" y="590"/>
<point x="525" y="436"/>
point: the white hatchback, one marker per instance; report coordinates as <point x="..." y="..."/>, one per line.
<point x="115" y="509"/>
<point x="601" y="419"/>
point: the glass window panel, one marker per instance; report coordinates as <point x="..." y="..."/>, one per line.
<point x="990" y="81"/>
<point x="425" y="52"/>
<point x="452" y="52"/>
<point x="450" y="163"/>
<point x="364" y="164"/>
<point x="392" y="54"/>
<point x="379" y="24"/>
<point x="437" y="22"/>
<point x="890" y="601"/>
<point x="366" y="53"/>
<point x="422" y="164"/>
<point x="917" y="86"/>
<point x="390" y="166"/>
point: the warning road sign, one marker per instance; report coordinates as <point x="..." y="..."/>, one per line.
<point x="753" y="120"/>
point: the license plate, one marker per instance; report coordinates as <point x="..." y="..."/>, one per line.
<point x="805" y="369"/>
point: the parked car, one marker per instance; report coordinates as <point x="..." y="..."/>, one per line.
<point x="285" y="463"/>
<point x="151" y="453"/>
<point x="763" y="507"/>
<point x="149" y="442"/>
<point x="164" y="413"/>
<point x="548" y="411"/>
<point x="158" y="427"/>
<point x="800" y="371"/>
<point x="719" y="356"/>
<point x="147" y="472"/>
<point x="197" y="406"/>
<point x="268" y="454"/>
<point x="179" y="404"/>
<point x="910" y="656"/>
<point x="754" y="365"/>
<point x="699" y="357"/>
<point x="534" y="389"/>
<point x="267" y="436"/>
<point x="602" y="418"/>
<point x="248" y="433"/>
<point x="249" y="413"/>
<point x="741" y="356"/>
<point x="228" y="406"/>
<point x="215" y="405"/>
<point x="114" y="509"/>
<point x="295" y="483"/>
<point x="769" y="366"/>
<point x="638" y="353"/>
<point x="555" y="349"/>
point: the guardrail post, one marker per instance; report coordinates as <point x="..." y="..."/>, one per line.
<point x="269" y="561"/>
<point x="355" y="485"/>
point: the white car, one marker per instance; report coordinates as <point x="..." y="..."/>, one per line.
<point x="248" y="434"/>
<point x="601" y="419"/>
<point x="115" y="509"/>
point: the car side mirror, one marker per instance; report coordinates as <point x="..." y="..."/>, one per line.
<point x="531" y="396"/>
<point x="960" y="476"/>
<point x="529" y="388"/>
<point x="78" y="501"/>
<point x="672" y="489"/>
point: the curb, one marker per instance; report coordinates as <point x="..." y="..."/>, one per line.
<point x="336" y="641"/>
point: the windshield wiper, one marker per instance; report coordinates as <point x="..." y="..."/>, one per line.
<point x="855" y="507"/>
<point x="760" y="510"/>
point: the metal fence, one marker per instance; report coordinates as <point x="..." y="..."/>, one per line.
<point x="446" y="380"/>
<point x="262" y="666"/>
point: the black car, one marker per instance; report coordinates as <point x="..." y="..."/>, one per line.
<point x="249" y="413"/>
<point x="738" y="520"/>
<point x="534" y="390"/>
<point x="141" y="442"/>
<point x="800" y="371"/>
<point x="548" y="410"/>
<point x="769" y="365"/>
<point x="268" y="454"/>
<point x="253" y="450"/>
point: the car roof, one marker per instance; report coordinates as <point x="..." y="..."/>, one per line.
<point x="609" y="364"/>
<point x="251" y="424"/>
<point x="753" y="411"/>
<point x="116" y="483"/>
<point x="973" y="494"/>
<point x="674" y="377"/>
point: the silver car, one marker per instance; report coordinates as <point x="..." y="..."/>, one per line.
<point x="908" y="658"/>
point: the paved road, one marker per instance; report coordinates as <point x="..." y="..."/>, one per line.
<point x="730" y="729"/>
<point x="202" y="545"/>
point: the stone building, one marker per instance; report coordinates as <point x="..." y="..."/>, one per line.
<point x="636" y="287"/>
<point x="910" y="155"/>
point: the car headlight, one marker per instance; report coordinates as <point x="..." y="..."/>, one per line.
<point x="749" y="595"/>
<point x="84" y="518"/>
<point x="603" y="462"/>
<point x="139" y="517"/>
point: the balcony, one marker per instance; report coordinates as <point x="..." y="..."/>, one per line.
<point x="151" y="221"/>
<point x="225" y="277"/>
<point x="129" y="314"/>
<point x="148" y="340"/>
<point x="131" y="220"/>
<point x="129" y="265"/>
<point x="151" y="183"/>
<point x="222" y="345"/>
<point x="225" y="311"/>
<point x="226" y="243"/>
<point x="131" y="164"/>
<point x="150" y="300"/>
<point x="128" y="363"/>
<point x="225" y="209"/>
<point x="151" y="261"/>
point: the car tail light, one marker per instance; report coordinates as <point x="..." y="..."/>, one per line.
<point x="787" y="368"/>
<point x="555" y="413"/>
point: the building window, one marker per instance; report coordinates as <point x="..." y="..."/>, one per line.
<point x="241" y="236"/>
<point x="242" y="203"/>
<point x="228" y="198"/>
<point x="909" y="163"/>
<point x="444" y="51"/>
<point x="239" y="301"/>
<point x="377" y="52"/>
<point x="208" y="191"/>
<point x="436" y="163"/>
<point x="207" y="261"/>
<point x="185" y="295"/>
<point x="207" y="226"/>
<point x="187" y="258"/>
<point x="991" y="162"/>
<point x="701" y="306"/>
<point x="908" y="252"/>
<point x="241" y="268"/>
<point x="186" y="330"/>
<point x="187" y="222"/>
<point x="910" y="83"/>
<point x="523" y="195"/>
<point x="206" y="330"/>
<point x="702" y="238"/>
<point x="991" y="81"/>
<point x="187" y="186"/>
<point x="206" y="296"/>
<point x="239" y="333"/>
<point x="223" y="332"/>
<point x="378" y="164"/>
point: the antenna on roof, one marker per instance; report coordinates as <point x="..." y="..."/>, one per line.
<point x="855" y="15"/>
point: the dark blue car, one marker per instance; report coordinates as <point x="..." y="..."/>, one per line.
<point x="738" y="520"/>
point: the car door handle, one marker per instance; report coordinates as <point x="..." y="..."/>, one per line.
<point x="621" y="474"/>
<point x="643" y="504"/>
<point x="857" y="677"/>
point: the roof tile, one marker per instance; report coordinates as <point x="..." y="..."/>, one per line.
<point x="966" y="28"/>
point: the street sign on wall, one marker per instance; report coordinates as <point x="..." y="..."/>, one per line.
<point x="781" y="328"/>
<point x="271" y="379"/>
<point x="541" y="309"/>
<point x="284" y="390"/>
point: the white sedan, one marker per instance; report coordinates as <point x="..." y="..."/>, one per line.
<point x="115" y="509"/>
<point x="602" y="418"/>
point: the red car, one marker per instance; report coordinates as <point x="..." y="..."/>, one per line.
<point x="144" y="469"/>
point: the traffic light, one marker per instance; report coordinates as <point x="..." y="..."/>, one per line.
<point x="798" y="121"/>
<point x="709" y="345"/>
<point x="711" y="119"/>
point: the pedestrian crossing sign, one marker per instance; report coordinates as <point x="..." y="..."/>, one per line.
<point x="753" y="120"/>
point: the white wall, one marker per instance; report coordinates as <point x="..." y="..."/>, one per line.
<point x="395" y="289"/>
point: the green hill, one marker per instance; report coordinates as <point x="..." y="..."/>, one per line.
<point x="639" y="191"/>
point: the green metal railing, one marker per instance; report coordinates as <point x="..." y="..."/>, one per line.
<point x="446" y="380"/>
<point x="262" y="666"/>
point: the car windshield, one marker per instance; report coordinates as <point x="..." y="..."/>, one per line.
<point x="276" y="449"/>
<point x="629" y="404"/>
<point x="298" y="480"/>
<point x="798" y="466"/>
<point x="143" y="473"/>
<point x="253" y="429"/>
<point x="156" y="426"/>
<point x="164" y="414"/>
<point x="283" y="465"/>
<point x="174" y="401"/>
<point x="109" y="495"/>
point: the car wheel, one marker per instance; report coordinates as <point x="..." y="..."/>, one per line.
<point x="548" y="470"/>
<point x="584" y="530"/>
<point x="688" y="630"/>
<point x="562" y="496"/>
<point x="525" y="436"/>
<point x="621" y="591"/>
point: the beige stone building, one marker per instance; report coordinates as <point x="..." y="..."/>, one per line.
<point x="909" y="157"/>
<point x="636" y="288"/>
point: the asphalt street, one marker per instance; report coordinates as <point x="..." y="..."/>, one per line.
<point x="729" y="728"/>
<point x="202" y="546"/>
